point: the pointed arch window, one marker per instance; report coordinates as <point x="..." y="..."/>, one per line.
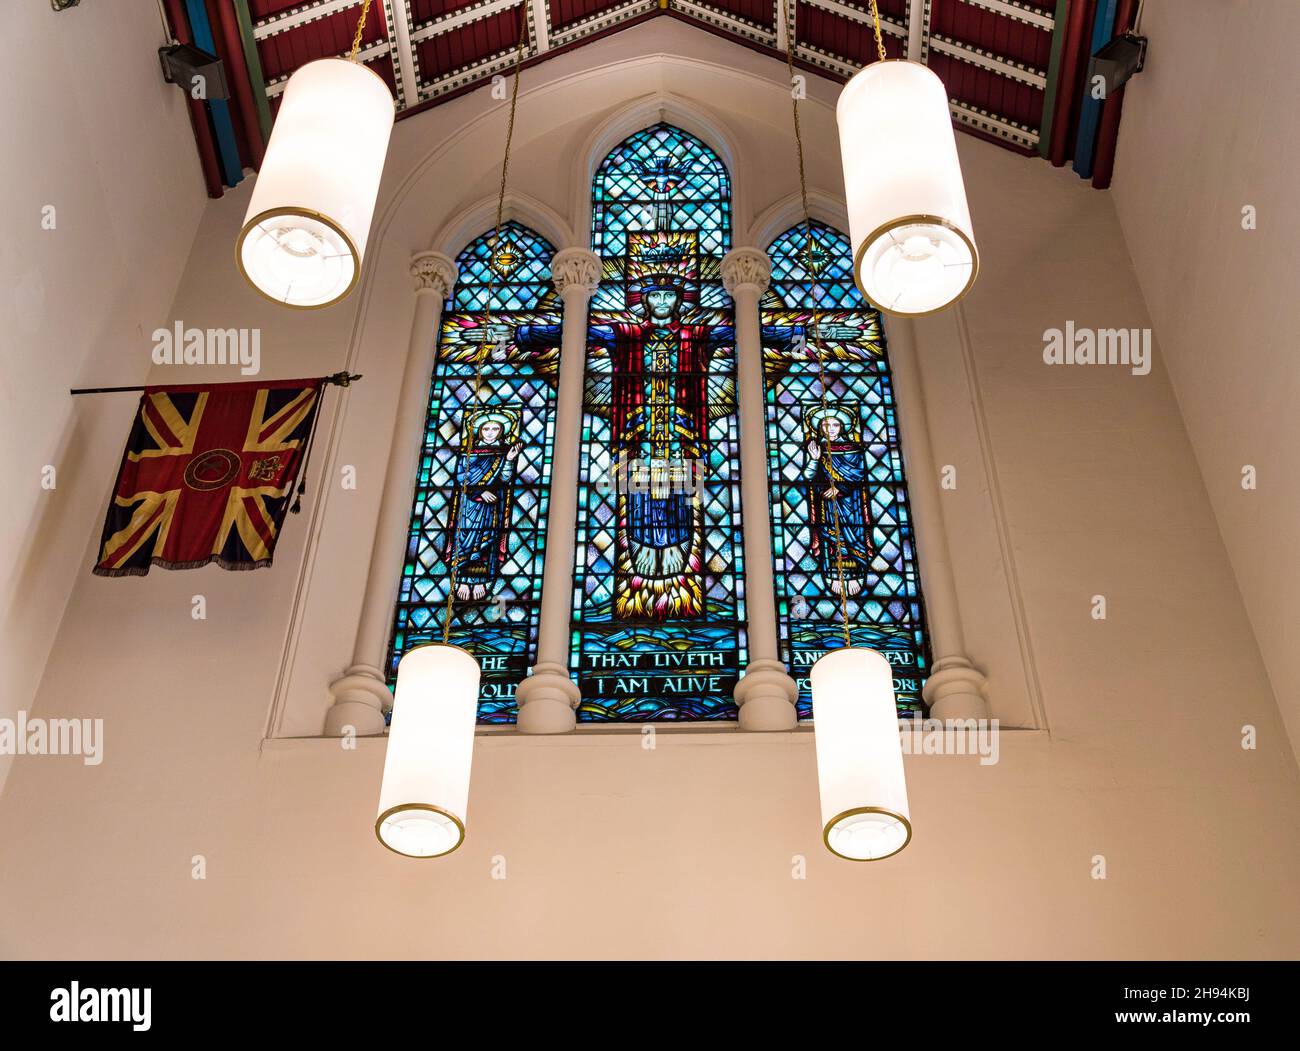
<point x="498" y="449"/>
<point x="858" y="426"/>
<point x="658" y="612"/>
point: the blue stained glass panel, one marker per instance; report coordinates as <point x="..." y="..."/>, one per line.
<point x="658" y="630"/>
<point x="843" y="539"/>
<point x="485" y="467"/>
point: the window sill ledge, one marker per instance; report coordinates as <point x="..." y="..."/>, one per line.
<point x="616" y="736"/>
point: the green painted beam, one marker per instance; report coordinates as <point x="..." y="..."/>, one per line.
<point x="1053" y="75"/>
<point x="254" y="68"/>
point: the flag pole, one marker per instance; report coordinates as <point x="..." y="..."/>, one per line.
<point x="339" y="379"/>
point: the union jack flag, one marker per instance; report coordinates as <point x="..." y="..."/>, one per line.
<point x="207" y="476"/>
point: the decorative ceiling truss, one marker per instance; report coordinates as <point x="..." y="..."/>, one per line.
<point x="999" y="59"/>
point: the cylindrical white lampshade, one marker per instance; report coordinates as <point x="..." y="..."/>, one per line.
<point x="913" y="246"/>
<point x="859" y="757"/>
<point x="305" y="232"/>
<point x="425" y="793"/>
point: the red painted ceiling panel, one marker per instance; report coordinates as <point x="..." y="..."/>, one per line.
<point x="1019" y="41"/>
<point x="987" y="90"/>
<point x="846" y="39"/>
<point x="894" y="10"/>
<point x="445" y="54"/>
<point x="284" y="52"/>
<point x="383" y="65"/>
<point x="566" y="12"/>
<point x="261" y="9"/>
<point x="760" y="12"/>
<point x="843" y="37"/>
<point x="426" y="11"/>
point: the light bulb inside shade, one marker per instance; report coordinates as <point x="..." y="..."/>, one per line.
<point x="868" y="836"/>
<point x="419" y="832"/>
<point x="298" y="259"/>
<point x="916" y="268"/>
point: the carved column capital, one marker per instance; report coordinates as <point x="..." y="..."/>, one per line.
<point x="746" y="268"/>
<point x="434" y="272"/>
<point x="575" y="268"/>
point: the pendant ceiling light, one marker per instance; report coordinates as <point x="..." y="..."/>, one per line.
<point x="913" y="246"/>
<point x="304" y="235"/>
<point x="425" y="791"/>
<point x="855" y="714"/>
<point x="859" y="757"/>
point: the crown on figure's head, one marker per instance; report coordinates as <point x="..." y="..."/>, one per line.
<point x="661" y="283"/>
<point x="662" y="260"/>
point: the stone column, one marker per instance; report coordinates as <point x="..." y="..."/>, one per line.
<point x="766" y="694"/>
<point x="360" y="693"/>
<point x="548" y="697"/>
<point x="954" y="689"/>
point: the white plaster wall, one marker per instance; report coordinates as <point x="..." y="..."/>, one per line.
<point x="1072" y="482"/>
<point x="88" y="126"/>
<point x="1210" y="127"/>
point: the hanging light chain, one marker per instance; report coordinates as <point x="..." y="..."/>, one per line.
<point x="827" y="461"/>
<point x="361" y="28"/>
<point x="485" y="347"/>
<point x="880" y="41"/>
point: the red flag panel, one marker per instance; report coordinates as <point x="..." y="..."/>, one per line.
<point x="207" y="476"/>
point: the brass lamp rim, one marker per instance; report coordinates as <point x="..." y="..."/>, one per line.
<point x="460" y="825"/>
<point x="309" y="213"/>
<point x="826" y="832"/>
<point x="909" y="220"/>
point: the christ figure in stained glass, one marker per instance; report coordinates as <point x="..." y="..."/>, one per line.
<point x="659" y="415"/>
<point x="657" y="397"/>
<point x="658" y="403"/>
<point x="660" y="407"/>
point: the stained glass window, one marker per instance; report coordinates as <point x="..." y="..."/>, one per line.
<point x="496" y="449"/>
<point x="853" y="513"/>
<point x="658" y="608"/>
